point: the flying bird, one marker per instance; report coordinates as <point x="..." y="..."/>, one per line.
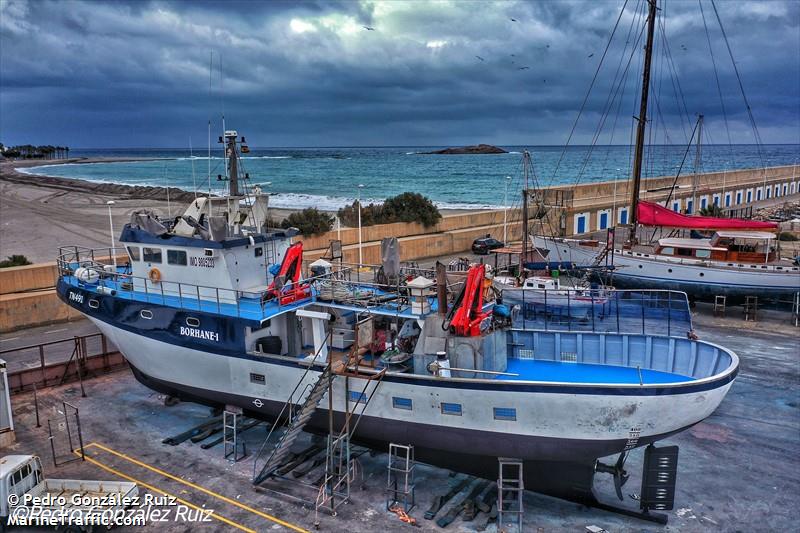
<point x="479" y="57"/>
<point x="513" y="20"/>
<point x="369" y="28"/>
<point x="591" y="55"/>
<point x="523" y="68"/>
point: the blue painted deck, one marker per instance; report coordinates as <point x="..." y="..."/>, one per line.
<point x="532" y="370"/>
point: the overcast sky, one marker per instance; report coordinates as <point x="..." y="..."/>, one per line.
<point x="372" y="73"/>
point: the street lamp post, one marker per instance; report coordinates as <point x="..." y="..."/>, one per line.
<point x="266" y="215"/>
<point x="360" y="253"/>
<point x="111" y="230"/>
<point x="505" y="211"/>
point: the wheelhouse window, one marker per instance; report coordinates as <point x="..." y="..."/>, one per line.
<point x="668" y="251"/>
<point x="133" y="252"/>
<point x="176" y="257"/>
<point x="151" y="255"/>
<point x="703" y="254"/>
<point x="684" y="252"/>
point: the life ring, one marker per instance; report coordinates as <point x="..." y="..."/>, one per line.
<point x="154" y="275"/>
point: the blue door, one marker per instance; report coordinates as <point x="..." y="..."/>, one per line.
<point x="623" y="216"/>
<point x="689" y="206"/>
<point x="581" y="224"/>
<point x="603" y="220"/>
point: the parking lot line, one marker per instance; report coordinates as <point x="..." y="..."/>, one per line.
<point x="157" y="490"/>
<point x="199" y="488"/>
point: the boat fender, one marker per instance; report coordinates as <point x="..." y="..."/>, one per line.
<point x="252" y="240"/>
<point x="107" y="290"/>
<point x="154" y="275"/>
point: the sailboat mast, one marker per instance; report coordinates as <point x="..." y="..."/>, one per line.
<point x="526" y="161"/>
<point x="697" y="159"/>
<point x="640" y="130"/>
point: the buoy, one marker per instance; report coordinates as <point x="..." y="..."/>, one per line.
<point x="154" y="275"/>
<point x="87" y="275"/>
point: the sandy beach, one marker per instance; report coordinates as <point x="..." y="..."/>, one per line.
<point x="40" y="213"/>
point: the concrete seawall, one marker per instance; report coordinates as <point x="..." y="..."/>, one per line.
<point x="27" y="297"/>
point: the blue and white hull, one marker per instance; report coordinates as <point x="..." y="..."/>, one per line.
<point x="554" y="421"/>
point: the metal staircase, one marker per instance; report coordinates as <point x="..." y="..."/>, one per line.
<point x="608" y="248"/>
<point x="298" y="422"/>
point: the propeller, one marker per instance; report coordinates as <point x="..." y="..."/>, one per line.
<point x="617" y="470"/>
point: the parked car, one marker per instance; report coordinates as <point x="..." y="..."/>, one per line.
<point x="483" y="245"/>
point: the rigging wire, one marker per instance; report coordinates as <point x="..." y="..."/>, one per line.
<point x="716" y="77"/>
<point x="757" y="135"/>
<point x="589" y="91"/>
<point x="616" y="86"/>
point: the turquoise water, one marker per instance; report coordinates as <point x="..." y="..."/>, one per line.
<point x="329" y="177"/>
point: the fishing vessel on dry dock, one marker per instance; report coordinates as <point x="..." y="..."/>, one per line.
<point x="213" y="307"/>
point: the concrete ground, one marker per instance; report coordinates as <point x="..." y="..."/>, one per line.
<point x="738" y="470"/>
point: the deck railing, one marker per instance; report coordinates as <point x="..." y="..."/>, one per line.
<point x="347" y="283"/>
<point x="648" y="312"/>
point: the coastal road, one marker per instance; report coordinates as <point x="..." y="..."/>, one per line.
<point x="17" y="358"/>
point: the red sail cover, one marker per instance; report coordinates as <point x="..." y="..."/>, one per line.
<point x="651" y="214"/>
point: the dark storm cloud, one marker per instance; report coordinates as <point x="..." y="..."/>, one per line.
<point x="310" y="73"/>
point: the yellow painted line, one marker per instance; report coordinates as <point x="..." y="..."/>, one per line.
<point x="162" y="491"/>
<point x="201" y="489"/>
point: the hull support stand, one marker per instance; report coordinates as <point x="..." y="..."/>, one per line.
<point x="511" y="484"/>
<point x="400" y="482"/>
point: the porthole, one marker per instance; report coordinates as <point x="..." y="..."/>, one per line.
<point x="94" y="304"/>
<point x="640" y="266"/>
<point x="701" y="274"/>
<point x="146" y="314"/>
<point x="192" y="322"/>
<point x="669" y="270"/>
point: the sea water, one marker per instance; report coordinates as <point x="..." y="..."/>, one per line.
<point x="328" y="178"/>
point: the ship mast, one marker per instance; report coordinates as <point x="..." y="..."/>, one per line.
<point x="697" y="160"/>
<point x="640" y="130"/>
<point x="526" y="163"/>
<point x="229" y="141"/>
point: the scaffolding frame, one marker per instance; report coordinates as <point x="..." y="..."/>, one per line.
<point x="510" y="479"/>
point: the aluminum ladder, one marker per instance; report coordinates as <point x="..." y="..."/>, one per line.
<point x="299" y="421"/>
